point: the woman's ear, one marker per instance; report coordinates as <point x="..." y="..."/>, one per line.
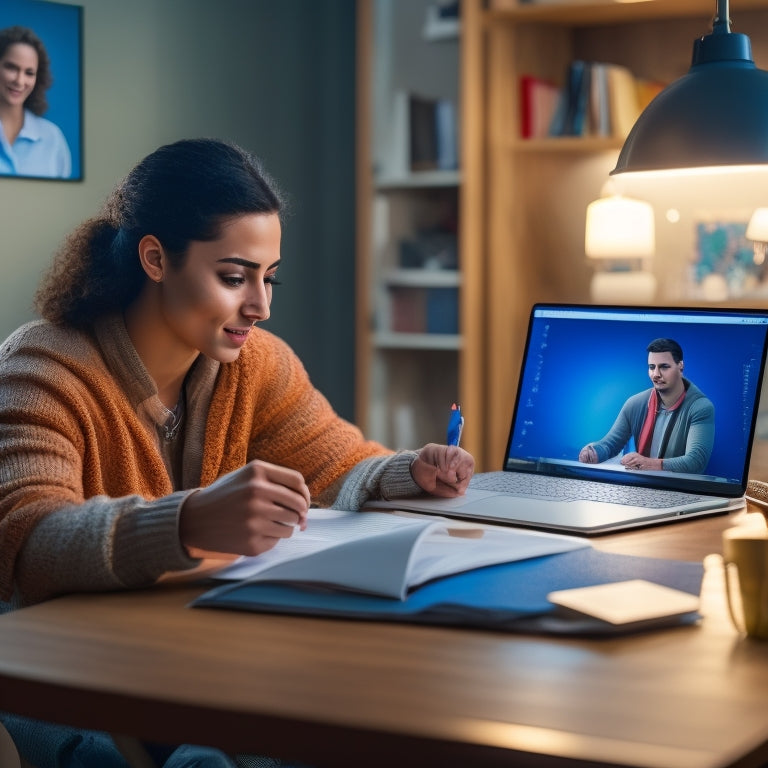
<point x="152" y="257"/>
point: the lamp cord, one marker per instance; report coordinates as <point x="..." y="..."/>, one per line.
<point x="722" y="20"/>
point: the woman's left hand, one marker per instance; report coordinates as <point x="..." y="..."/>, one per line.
<point x="443" y="470"/>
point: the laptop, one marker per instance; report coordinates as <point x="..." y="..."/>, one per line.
<point x="580" y="365"/>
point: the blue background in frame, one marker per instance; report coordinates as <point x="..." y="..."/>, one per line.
<point x="580" y="372"/>
<point x="60" y="28"/>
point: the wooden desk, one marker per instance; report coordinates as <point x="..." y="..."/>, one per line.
<point x="339" y="693"/>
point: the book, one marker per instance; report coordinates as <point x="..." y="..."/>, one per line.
<point x="446" y="125"/>
<point x="599" y="103"/>
<point x="442" y="310"/>
<point x="408" y="310"/>
<point x="538" y="102"/>
<point x="393" y="153"/>
<point x="386" y="554"/>
<point x="647" y="91"/>
<point x="623" y="100"/>
<point x="422" y="115"/>
<point x="385" y="567"/>
<point x="571" y="112"/>
<point x="581" y="85"/>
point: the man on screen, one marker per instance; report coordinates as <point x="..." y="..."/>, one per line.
<point x="673" y="423"/>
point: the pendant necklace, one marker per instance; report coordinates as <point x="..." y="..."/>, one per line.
<point x="175" y="419"/>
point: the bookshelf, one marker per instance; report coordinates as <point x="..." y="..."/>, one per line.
<point x="409" y="268"/>
<point x="521" y="202"/>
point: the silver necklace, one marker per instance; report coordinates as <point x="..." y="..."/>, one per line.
<point x="175" y="419"/>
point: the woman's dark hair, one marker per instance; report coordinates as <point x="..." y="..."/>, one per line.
<point x="36" y="101"/>
<point x="181" y="192"/>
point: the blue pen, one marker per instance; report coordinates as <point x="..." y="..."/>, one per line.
<point x="455" y="425"/>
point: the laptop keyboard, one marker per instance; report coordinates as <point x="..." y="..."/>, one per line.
<point x="568" y="489"/>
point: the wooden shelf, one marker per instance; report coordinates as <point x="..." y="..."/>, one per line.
<point x="423" y="278"/>
<point x="567" y="144"/>
<point x="418" y="341"/>
<point x="419" y="180"/>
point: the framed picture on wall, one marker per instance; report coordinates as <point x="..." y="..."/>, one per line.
<point x="40" y="90"/>
<point x="723" y="266"/>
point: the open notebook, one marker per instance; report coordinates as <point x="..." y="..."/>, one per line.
<point x="581" y="363"/>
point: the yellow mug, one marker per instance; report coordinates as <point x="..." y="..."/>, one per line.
<point x="745" y="562"/>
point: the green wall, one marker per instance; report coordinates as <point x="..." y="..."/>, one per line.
<point x="276" y="77"/>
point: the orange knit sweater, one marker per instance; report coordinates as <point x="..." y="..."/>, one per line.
<point x="75" y="440"/>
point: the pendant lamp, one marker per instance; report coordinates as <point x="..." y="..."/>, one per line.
<point x="713" y="118"/>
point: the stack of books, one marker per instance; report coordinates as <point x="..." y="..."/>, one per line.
<point x="597" y="99"/>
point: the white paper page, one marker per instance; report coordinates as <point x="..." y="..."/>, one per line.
<point x="376" y="564"/>
<point x="325" y="528"/>
<point x="440" y="553"/>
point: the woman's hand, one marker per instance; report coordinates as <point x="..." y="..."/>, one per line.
<point x="588" y="455"/>
<point x="245" y="512"/>
<point x="443" y="470"/>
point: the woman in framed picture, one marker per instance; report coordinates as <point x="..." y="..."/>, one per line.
<point x="30" y="145"/>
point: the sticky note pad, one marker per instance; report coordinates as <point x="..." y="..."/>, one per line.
<point x="626" y="602"/>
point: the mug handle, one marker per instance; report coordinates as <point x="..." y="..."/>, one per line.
<point x="728" y="588"/>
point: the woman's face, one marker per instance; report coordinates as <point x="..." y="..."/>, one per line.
<point x="18" y="74"/>
<point x="224" y="286"/>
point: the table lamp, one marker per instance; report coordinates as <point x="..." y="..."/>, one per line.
<point x="619" y="237"/>
<point x="713" y="118"/>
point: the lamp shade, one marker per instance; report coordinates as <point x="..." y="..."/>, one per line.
<point x="619" y="227"/>
<point x="714" y="116"/>
<point x="757" y="229"/>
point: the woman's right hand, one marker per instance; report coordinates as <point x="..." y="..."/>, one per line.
<point x="246" y="511"/>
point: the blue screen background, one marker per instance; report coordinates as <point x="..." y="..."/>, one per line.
<point x="579" y="373"/>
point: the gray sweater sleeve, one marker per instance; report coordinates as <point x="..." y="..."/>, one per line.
<point x="106" y="544"/>
<point x="380" y="477"/>
<point x="102" y="544"/>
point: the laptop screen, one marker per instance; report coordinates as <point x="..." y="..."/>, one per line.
<point x="588" y="379"/>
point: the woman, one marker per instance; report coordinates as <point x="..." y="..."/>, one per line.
<point x="145" y="422"/>
<point x="30" y="145"/>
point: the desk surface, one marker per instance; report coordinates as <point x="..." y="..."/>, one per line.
<point x="344" y="693"/>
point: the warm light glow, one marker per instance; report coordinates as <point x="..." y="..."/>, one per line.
<point x="757" y="229"/>
<point x="712" y="170"/>
<point x="620" y="236"/>
<point x="673" y="215"/>
<point x="637" y="287"/>
<point x="619" y="228"/>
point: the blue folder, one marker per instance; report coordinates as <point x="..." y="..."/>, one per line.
<point x="510" y="597"/>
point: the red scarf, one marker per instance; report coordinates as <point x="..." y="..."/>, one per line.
<point x="646" y="433"/>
